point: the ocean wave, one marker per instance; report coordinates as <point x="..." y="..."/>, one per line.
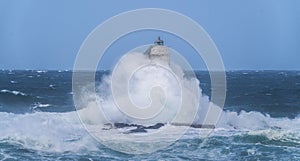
<point x="40" y="105"/>
<point x="41" y="71"/>
<point x="259" y="128"/>
<point x="13" y="92"/>
<point x="13" y="82"/>
<point x="61" y="132"/>
<point x="42" y="131"/>
<point x="52" y="86"/>
<point x="254" y="120"/>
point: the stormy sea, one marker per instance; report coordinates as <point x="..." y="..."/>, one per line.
<point x="260" y="120"/>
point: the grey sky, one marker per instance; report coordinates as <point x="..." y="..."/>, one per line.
<point x="249" y="34"/>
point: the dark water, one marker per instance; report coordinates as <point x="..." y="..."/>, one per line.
<point x="265" y="91"/>
<point x="260" y="120"/>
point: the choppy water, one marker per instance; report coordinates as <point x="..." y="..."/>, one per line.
<point x="261" y="120"/>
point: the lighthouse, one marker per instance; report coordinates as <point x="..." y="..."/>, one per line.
<point x="158" y="53"/>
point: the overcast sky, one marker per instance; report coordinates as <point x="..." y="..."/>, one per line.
<point x="250" y="35"/>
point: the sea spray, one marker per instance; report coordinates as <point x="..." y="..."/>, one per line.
<point x="268" y="129"/>
<point x="143" y="90"/>
<point x="178" y="89"/>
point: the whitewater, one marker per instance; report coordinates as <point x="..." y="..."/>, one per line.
<point x="260" y="120"/>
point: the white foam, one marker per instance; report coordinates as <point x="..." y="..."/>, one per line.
<point x="52" y="86"/>
<point x="13" y="82"/>
<point x="256" y="123"/>
<point x="41" y="71"/>
<point x="5" y="156"/>
<point x="39" y="105"/>
<point x="13" y="92"/>
<point x="54" y="132"/>
<point x="63" y="132"/>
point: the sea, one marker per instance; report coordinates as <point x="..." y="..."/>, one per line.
<point x="260" y="120"/>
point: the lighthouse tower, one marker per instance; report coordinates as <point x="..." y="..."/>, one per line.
<point x="158" y="52"/>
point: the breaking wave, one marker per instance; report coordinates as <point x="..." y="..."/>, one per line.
<point x="149" y="86"/>
<point x="63" y="132"/>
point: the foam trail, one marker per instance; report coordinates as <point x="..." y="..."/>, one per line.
<point x="13" y="92"/>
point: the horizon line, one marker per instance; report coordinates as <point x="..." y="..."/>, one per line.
<point x="230" y="70"/>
